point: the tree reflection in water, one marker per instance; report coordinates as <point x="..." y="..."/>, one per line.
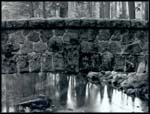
<point x="74" y="92"/>
<point x="63" y="88"/>
<point x="80" y="90"/>
<point x="101" y="86"/>
<point x="110" y="93"/>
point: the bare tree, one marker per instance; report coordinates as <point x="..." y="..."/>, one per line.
<point x="124" y="16"/>
<point x="101" y="9"/>
<point x="31" y="9"/>
<point x="96" y="9"/>
<point x="131" y="10"/>
<point x="146" y="10"/>
<point x="63" y="9"/>
<point x="44" y="10"/>
<point x="107" y="10"/>
<point x="89" y="8"/>
<point x="113" y="10"/>
<point x="71" y="9"/>
<point x="7" y="95"/>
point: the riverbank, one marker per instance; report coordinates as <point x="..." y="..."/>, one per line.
<point x="133" y="84"/>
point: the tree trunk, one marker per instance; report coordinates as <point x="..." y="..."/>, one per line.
<point x="44" y="10"/>
<point x="63" y="9"/>
<point x="96" y="9"/>
<point x="146" y="10"/>
<point x="31" y="9"/>
<point x="143" y="10"/>
<point x="89" y="8"/>
<point x="33" y="83"/>
<point x="72" y="10"/>
<point x="124" y="16"/>
<point x="115" y="10"/>
<point x="131" y="10"/>
<point x="101" y="10"/>
<point x="107" y="10"/>
<point x="7" y="96"/>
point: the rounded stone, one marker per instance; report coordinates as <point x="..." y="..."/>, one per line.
<point x="23" y="63"/>
<point x="16" y="48"/>
<point x="86" y="47"/>
<point x="88" y="34"/>
<point x="34" y="62"/>
<point x="55" y="44"/>
<point x="116" y="36"/>
<point x="27" y="47"/>
<point x="45" y="35"/>
<point x="107" y="61"/>
<point x="142" y="36"/>
<point x="102" y="46"/>
<point x="47" y="63"/>
<point x="17" y="37"/>
<point x="26" y="32"/>
<point x="128" y="37"/>
<point x="40" y="47"/>
<point x="103" y="35"/>
<point x="9" y="65"/>
<point x="9" y="48"/>
<point x="115" y="47"/>
<point x="59" y="32"/>
<point x="58" y="61"/>
<point x="133" y="49"/>
<point x="73" y="33"/>
<point x="33" y="36"/>
<point x="119" y="63"/>
<point x="4" y="37"/>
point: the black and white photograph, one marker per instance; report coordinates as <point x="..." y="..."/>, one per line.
<point x="74" y="56"/>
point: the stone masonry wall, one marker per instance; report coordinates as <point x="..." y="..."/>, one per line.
<point x="33" y="46"/>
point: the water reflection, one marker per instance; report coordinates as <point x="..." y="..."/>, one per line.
<point x="71" y="96"/>
<point x="74" y="92"/>
<point x="80" y="89"/>
<point x="63" y="88"/>
<point x="100" y="98"/>
<point x="110" y="93"/>
<point x="101" y="86"/>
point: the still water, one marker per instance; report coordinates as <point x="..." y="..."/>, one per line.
<point x="103" y="98"/>
<point x="75" y="94"/>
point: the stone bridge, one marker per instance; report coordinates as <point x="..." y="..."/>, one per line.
<point x="72" y="45"/>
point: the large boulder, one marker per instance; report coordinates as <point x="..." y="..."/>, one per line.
<point x="127" y="83"/>
<point x="107" y="74"/>
<point x="118" y="79"/>
<point x="141" y="67"/>
<point x="131" y="92"/>
<point x="94" y="76"/>
<point x="135" y="80"/>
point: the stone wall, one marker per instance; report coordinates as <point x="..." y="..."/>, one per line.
<point x="33" y="46"/>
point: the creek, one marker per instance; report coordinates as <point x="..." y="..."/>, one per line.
<point x="75" y="94"/>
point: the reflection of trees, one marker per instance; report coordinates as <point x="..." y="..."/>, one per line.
<point x="80" y="90"/>
<point x="63" y="88"/>
<point x="144" y="106"/>
<point x="133" y="101"/>
<point x="110" y="93"/>
<point x="92" y="94"/>
<point x="72" y="79"/>
<point x="101" y="91"/>
<point x="17" y="87"/>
